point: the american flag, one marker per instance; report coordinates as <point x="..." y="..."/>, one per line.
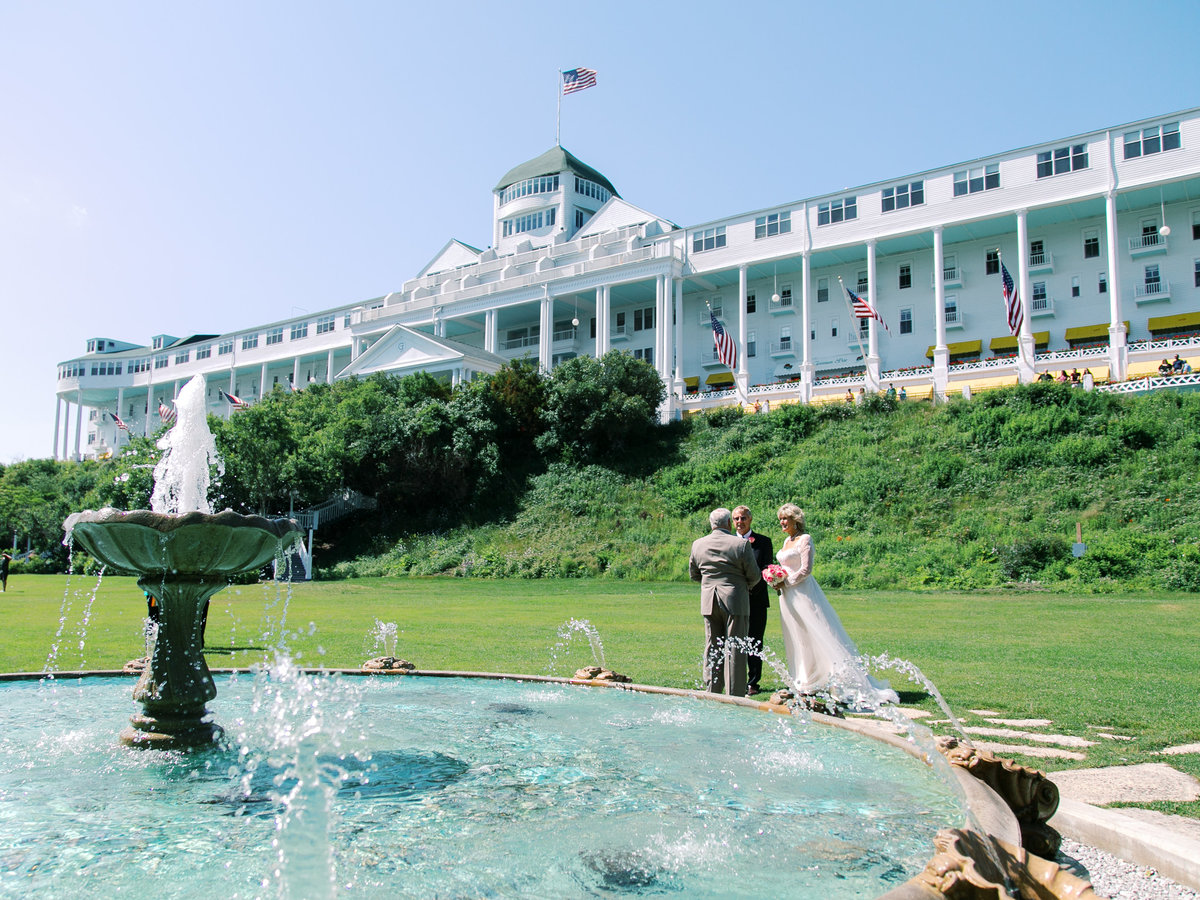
<point x="865" y="310"/>
<point x="726" y="348"/>
<point x="1012" y="302"/>
<point x="120" y="424"/>
<point x="166" y="413"/>
<point x="578" y="80"/>
<point x="236" y="401"/>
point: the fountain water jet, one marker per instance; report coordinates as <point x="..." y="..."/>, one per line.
<point x="183" y="554"/>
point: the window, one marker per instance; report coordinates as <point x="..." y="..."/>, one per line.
<point x="822" y="290"/>
<point x="529" y="222"/>
<point x="540" y="185"/>
<point x="325" y="324"/>
<point x="1074" y="285"/>
<point x="991" y="263"/>
<point x="183" y="356"/>
<point x="1062" y="159"/>
<point x="751" y="303"/>
<point x="1091" y="244"/>
<point x="161" y="361"/>
<point x="903" y="196"/>
<point x="864" y="286"/>
<point x="833" y="327"/>
<point x="951" y="310"/>
<point x="950" y="267"/>
<point x="646" y="354"/>
<point x="139" y="365"/>
<point x="785" y="337"/>
<point x="1037" y="253"/>
<point x="1151" y="140"/>
<point x="580" y="218"/>
<point x="1196" y="225"/>
<point x="591" y="189"/>
<point x="299" y="331"/>
<point x="905" y="276"/>
<point x="834" y="211"/>
<point x="346" y="321"/>
<point x="773" y="224"/>
<point x="643" y="319"/>
<point x="1197" y="275"/>
<point x="1102" y="284"/>
<point x="1152" y="278"/>
<point x="106" y="369"/>
<point x="204" y="352"/>
<point x="225" y="347"/>
<point x="980" y="178"/>
<point x="1039" y="301"/>
<point x="906" y="320"/>
<point x="785" y="296"/>
<point x="275" y="336"/>
<point x="751" y="344"/>
<point x="709" y="239"/>
<point x="249" y="341"/>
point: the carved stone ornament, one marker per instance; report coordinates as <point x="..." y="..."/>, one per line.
<point x="1032" y="797"/>
<point x="968" y="866"/>
<point x="596" y="673"/>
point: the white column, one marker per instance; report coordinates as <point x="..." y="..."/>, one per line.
<point x="120" y="404"/>
<point x="941" y="354"/>
<point x="1118" y="349"/>
<point x="872" y="361"/>
<point x="489" y="331"/>
<point x="296" y="373"/>
<point x="743" y="287"/>
<point x="603" y="316"/>
<point x="663" y="332"/>
<point x="806" y="363"/>
<point x="328" y="369"/>
<point x="262" y="382"/>
<point x="546" y="334"/>
<point x="58" y="402"/>
<point x="1025" y="368"/>
<point x="78" y="421"/>
<point x="677" y="337"/>
<point x="66" y="435"/>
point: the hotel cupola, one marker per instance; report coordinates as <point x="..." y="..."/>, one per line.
<point x="546" y="201"/>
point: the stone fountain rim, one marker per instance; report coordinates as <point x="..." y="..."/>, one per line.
<point x="167" y="523"/>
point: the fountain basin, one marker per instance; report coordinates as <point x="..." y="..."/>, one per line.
<point x="474" y="787"/>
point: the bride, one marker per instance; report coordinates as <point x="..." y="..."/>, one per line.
<point x="820" y="655"/>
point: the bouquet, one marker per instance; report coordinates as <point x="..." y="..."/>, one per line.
<point x="775" y="576"/>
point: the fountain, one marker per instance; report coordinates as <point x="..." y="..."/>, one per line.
<point x="183" y="553"/>
<point x="453" y="784"/>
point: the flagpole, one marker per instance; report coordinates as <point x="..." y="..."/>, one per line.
<point x="1020" y="300"/>
<point x="854" y="325"/>
<point x="558" y="113"/>
<point x="736" y="387"/>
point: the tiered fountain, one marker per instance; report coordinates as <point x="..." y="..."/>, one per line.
<point x="183" y="554"/>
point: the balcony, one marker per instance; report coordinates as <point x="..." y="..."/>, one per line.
<point x="783" y="348"/>
<point x="784" y="306"/>
<point x="956" y="318"/>
<point x="620" y="332"/>
<point x="704" y="319"/>
<point x="710" y="360"/>
<point x="519" y="343"/>
<point x="952" y="276"/>
<point x="1150" y="244"/>
<point x="1152" y="292"/>
<point x="1041" y="262"/>
<point x="1041" y="306"/>
<point x="860" y="337"/>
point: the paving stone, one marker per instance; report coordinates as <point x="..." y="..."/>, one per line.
<point x="1065" y="740"/>
<point x="1039" y="752"/>
<point x="984" y="712"/>
<point x="1022" y="723"/>
<point x="1119" y="737"/>
<point x="1180" y="749"/>
<point x="915" y="713"/>
<point x="1141" y="783"/>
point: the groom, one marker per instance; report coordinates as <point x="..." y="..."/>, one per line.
<point x="764" y="555"/>
<point x="724" y="565"/>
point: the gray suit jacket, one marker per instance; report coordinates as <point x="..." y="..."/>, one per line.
<point x="724" y="565"/>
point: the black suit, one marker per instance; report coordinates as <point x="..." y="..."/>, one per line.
<point x="760" y="602"/>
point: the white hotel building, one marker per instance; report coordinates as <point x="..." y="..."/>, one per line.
<point x="1101" y="232"/>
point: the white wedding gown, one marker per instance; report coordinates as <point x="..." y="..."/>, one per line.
<point x="820" y="655"/>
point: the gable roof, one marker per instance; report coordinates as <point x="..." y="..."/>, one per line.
<point x="617" y="213"/>
<point x="403" y="351"/>
<point x="553" y="161"/>
<point x="452" y="255"/>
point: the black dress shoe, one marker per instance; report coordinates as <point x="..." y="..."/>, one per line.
<point x="753" y="689"/>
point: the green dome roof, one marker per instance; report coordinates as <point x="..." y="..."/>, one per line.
<point x="552" y="162"/>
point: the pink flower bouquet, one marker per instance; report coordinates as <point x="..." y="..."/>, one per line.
<point x="775" y="575"/>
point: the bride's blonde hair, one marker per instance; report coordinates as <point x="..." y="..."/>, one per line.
<point x="795" y="513"/>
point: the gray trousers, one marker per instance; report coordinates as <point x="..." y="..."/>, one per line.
<point x="724" y="664"/>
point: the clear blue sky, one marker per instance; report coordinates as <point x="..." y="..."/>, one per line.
<point x="201" y="167"/>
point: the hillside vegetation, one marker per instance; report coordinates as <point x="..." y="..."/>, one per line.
<point x="972" y="494"/>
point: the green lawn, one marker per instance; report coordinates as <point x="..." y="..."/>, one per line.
<point x="1123" y="663"/>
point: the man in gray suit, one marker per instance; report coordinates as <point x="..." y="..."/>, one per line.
<point x="724" y="565"/>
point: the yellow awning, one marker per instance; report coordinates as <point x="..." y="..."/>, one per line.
<point x="719" y="378"/>
<point x="962" y="348"/>
<point x="1170" y="323"/>
<point x="1040" y="339"/>
<point x="692" y="380"/>
<point x="1089" y="332"/>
